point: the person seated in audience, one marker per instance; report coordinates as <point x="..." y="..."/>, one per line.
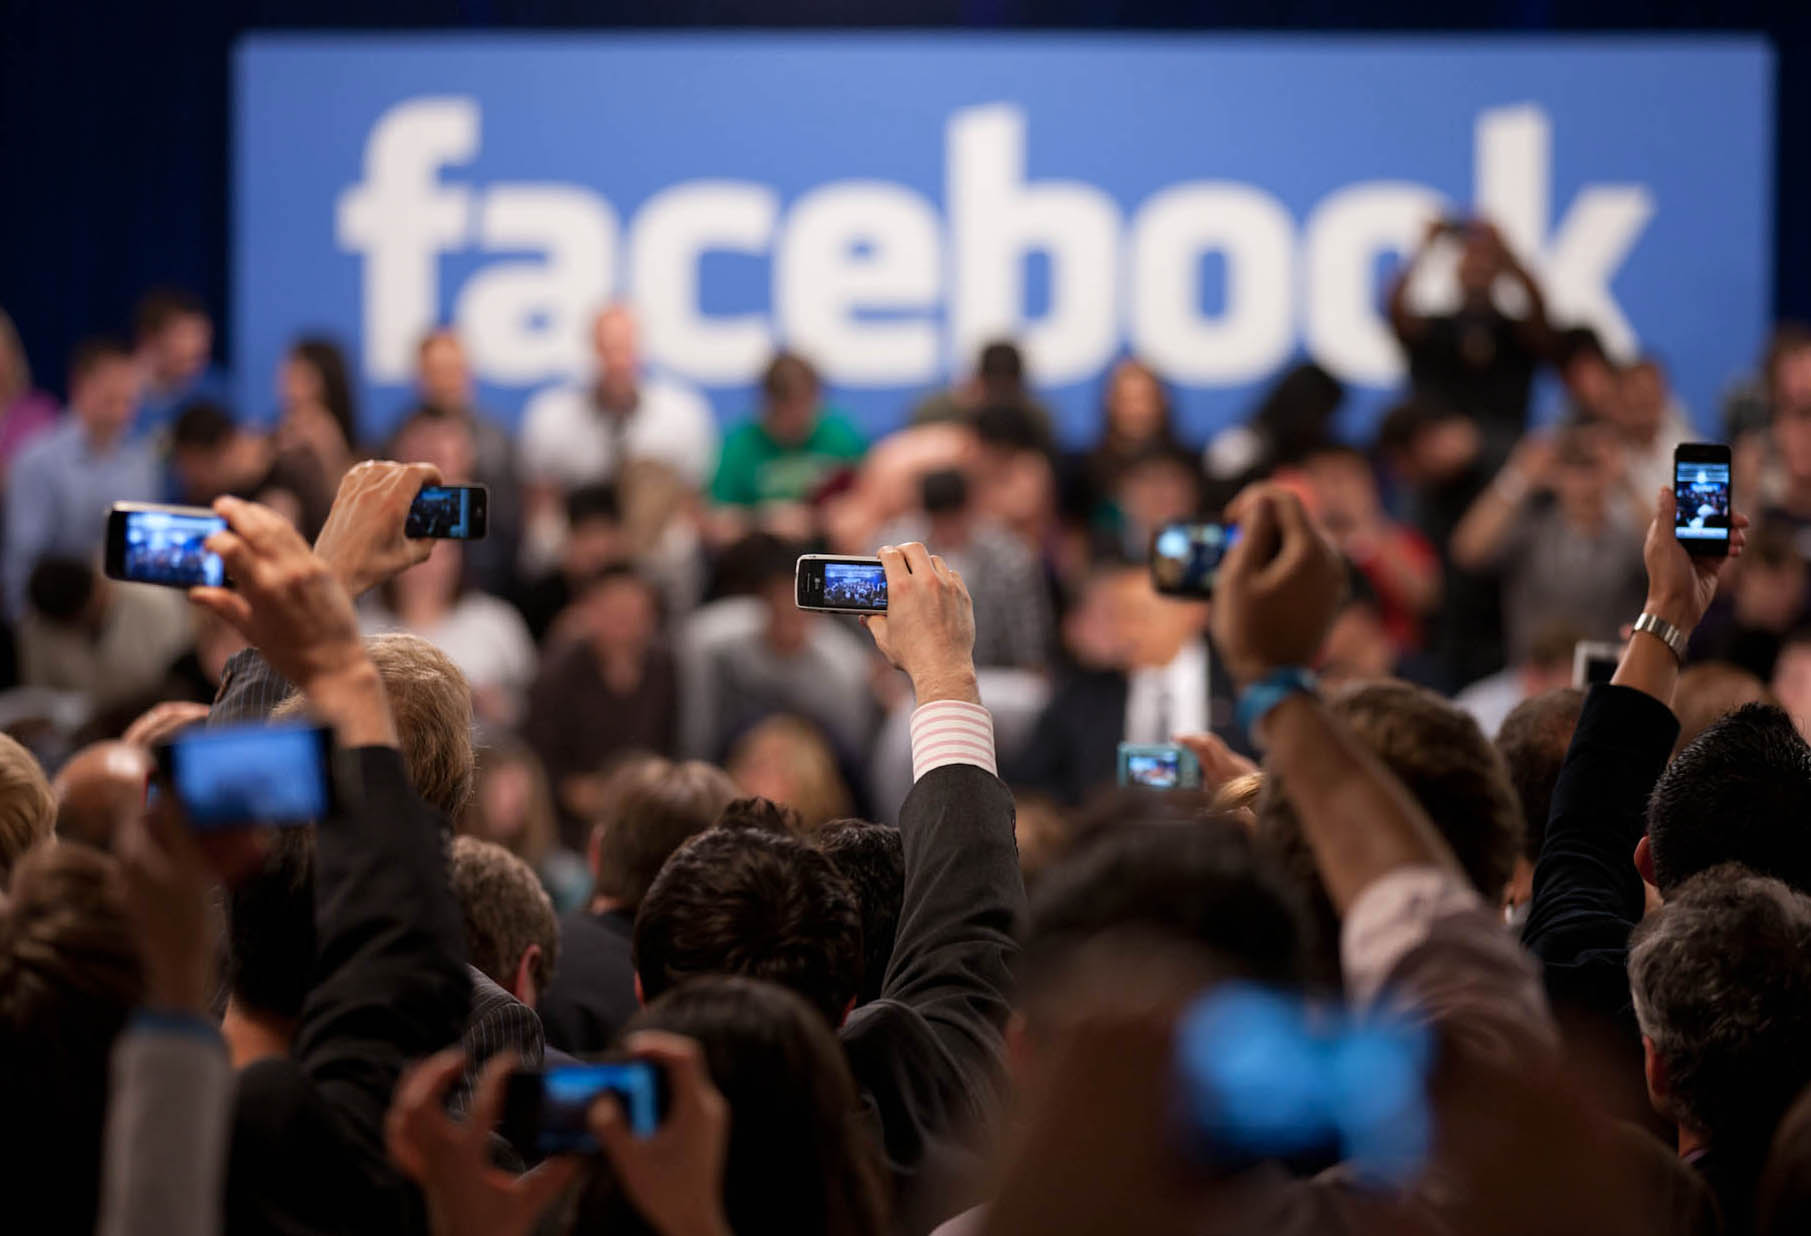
<point x="787" y="453"/>
<point x="1015" y="480"/>
<point x="1293" y="418"/>
<point x="647" y="808"/>
<point x="1575" y="558"/>
<point x="787" y="759"/>
<point x="211" y="454"/>
<point x="172" y="346"/>
<point x="25" y="411"/>
<point x="1548" y="665"/>
<point x="63" y="482"/>
<point x="1533" y="741"/>
<point x="1650" y="422"/>
<point x="998" y="381"/>
<point x="1721" y="983"/>
<point x="28" y="809"/>
<point x="1588" y="377"/>
<point x="513" y="806"/>
<point x="595" y="539"/>
<point x="1137" y="420"/>
<point x="1709" y="691"/>
<point x="871" y="857"/>
<point x="512" y="945"/>
<point x="611" y="688"/>
<point x="1767" y="598"/>
<point x="84" y="632"/>
<point x="317" y="415"/>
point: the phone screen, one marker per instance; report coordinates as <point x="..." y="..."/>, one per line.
<point x="568" y="1091"/>
<point x="165" y="547"/>
<point x="447" y="512"/>
<point x="1156" y="770"/>
<point x="265" y="774"/>
<point x="855" y="585"/>
<point x="1701" y="495"/>
<point x="1185" y="558"/>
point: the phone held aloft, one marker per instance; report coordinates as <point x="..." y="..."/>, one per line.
<point x="838" y="585"/>
<point x="449" y="512"/>
<point x="166" y="545"/>
<point x="1186" y="557"/>
<point x="1704" y="506"/>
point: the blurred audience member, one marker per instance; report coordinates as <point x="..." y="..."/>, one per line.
<point x="1294" y="419"/>
<point x="317" y="416"/>
<point x="1590" y="382"/>
<point x="511" y="936"/>
<point x="610" y="689"/>
<point x="1013" y="626"/>
<point x="484" y="636"/>
<point x="998" y="381"/>
<point x="648" y="807"/>
<point x="1790" y="506"/>
<point x="1157" y="488"/>
<point x="1575" y="558"/>
<point x="513" y="807"/>
<point x="595" y="539"/>
<point x="84" y="632"/>
<point x="786" y="760"/>
<point x="786" y="453"/>
<point x="172" y="346"/>
<point x="1791" y="684"/>
<point x="1358" y="647"/>
<point x="1015" y="482"/>
<point x="28" y="809"/>
<point x="1711" y="690"/>
<point x="1651" y="422"/>
<point x="211" y="454"/>
<point x="1399" y="564"/>
<point x="64" y="481"/>
<point x="25" y="411"/>
<point x="1547" y="666"/>
<point x="1764" y="600"/>
<point x="1136" y="419"/>
<point x="1477" y="360"/>
<point x="1533" y="741"/>
<point x="100" y="792"/>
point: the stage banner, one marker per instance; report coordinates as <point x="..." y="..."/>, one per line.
<point x="885" y="204"/>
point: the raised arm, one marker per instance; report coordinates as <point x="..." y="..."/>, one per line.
<point x="1485" y="531"/>
<point x="1408" y="324"/>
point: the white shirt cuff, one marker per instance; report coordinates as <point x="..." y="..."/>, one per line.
<point x="952" y="732"/>
<point x="1391" y="919"/>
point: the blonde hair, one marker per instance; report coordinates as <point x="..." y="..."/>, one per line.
<point x="797" y="752"/>
<point x="1238" y="794"/>
<point x="539" y="834"/>
<point x="505" y="910"/>
<point x="28" y="808"/>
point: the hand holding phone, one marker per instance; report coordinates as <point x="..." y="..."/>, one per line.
<point x="364" y="541"/>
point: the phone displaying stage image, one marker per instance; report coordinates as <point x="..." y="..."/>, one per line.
<point x="1158" y="766"/>
<point x="841" y="585"/>
<point x="244" y="775"/>
<point x="1701" y="494"/>
<point x="449" y="512"/>
<point x="164" y="545"/>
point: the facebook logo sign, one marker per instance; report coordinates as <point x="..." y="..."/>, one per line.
<point x="886" y="204"/>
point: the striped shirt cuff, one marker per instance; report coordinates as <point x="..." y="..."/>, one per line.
<point x="952" y="732"/>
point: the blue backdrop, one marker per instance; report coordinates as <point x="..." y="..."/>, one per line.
<point x="884" y="202"/>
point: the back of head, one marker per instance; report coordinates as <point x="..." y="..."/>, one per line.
<point x="1735" y="794"/>
<point x="158" y="308"/>
<point x="203" y="426"/>
<point x="757" y="904"/>
<point x="60" y="589"/>
<point x="872" y="858"/>
<point x="270" y="929"/>
<point x="506" y="913"/>
<point x="98" y="790"/>
<point x="28" y="810"/>
<point x="1533" y="742"/>
<point x="654" y="806"/>
<point x="1721" y="981"/>
<point x="799" y="1158"/>
<point x="69" y="975"/>
<point x="1709" y="691"/>
<point x="762" y="815"/>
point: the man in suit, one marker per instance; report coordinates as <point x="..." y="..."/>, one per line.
<point x="1145" y="672"/>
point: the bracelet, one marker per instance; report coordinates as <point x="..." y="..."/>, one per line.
<point x="1665" y="632"/>
<point x="1258" y="699"/>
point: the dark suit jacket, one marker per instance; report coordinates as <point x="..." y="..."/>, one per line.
<point x="1075" y="748"/>
<point x="926" y="1054"/>
<point x="593" y="988"/>
<point x="307" y="1151"/>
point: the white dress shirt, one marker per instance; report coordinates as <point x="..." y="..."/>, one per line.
<point x="1167" y="700"/>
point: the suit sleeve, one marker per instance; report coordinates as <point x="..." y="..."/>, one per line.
<point x="249" y="690"/>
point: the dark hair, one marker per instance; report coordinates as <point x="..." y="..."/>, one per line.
<point x="1201" y="882"/>
<point x="1001" y="361"/>
<point x="69" y="975"/>
<point x="93" y="352"/>
<point x="1296" y="414"/>
<point x="270" y="928"/>
<point x="324" y="356"/>
<point x="1008" y="426"/>
<point x="159" y="307"/>
<point x="1402" y="424"/>
<point x="1574" y="342"/>
<point x="1533" y="740"/>
<point x="788" y="373"/>
<point x="595" y="501"/>
<point x="740" y="901"/>
<point x="203" y="425"/>
<point x="654" y="807"/>
<point x="943" y="491"/>
<point x="761" y="815"/>
<point x="872" y="858"/>
<point x="800" y="1158"/>
<point x="1736" y="793"/>
<point x="752" y="563"/>
<point x="1720" y="976"/>
<point x="60" y="588"/>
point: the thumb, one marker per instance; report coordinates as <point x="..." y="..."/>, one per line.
<point x="1666" y="506"/>
<point x="609" y="1126"/>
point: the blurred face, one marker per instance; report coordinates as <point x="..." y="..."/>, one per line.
<point x="1446" y="448"/>
<point x="1792" y="435"/>
<point x="593" y="544"/>
<point x="1580" y="486"/>
<point x="1134" y="404"/>
<point x="438" y="577"/>
<point x="788" y="626"/>
<point x="298" y="382"/>
<point x="1792" y="684"/>
<point x="613" y="343"/>
<point x="792" y="413"/>
<point x="107" y="397"/>
<point x="1358" y="649"/>
<point x="446" y="444"/>
<point x="1591" y="382"/>
<point x="1479" y="266"/>
<point x="1159" y="491"/>
<point x="1792" y="379"/>
<point x="1345" y="492"/>
<point x="622" y="616"/>
<point x="445" y="380"/>
<point x="183" y="347"/>
<point x="1642" y="399"/>
<point x="506" y="794"/>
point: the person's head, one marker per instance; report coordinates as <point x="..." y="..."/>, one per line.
<point x="436" y="582"/>
<point x="1734" y="794"/>
<point x="171" y="330"/>
<point x="314" y="371"/>
<point x="1296" y="413"/>
<point x="944" y="494"/>
<point x="1586" y="370"/>
<point x="1533" y="741"/>
<point x="763" y="815"/>
<point x="620" y="610"/>
<point x="754" y="903"/>
<point x="1641" y="398"/>
<point x="652" y="806"/>
<point x="1786" y="367"/>
<point x="1581" y="479"/>
<point x="511" y="934"/>
<point x="1720" y="976"/>
<point x="28" y="809"/>
<point x="616" y="348"/>
<point x="104" y="388"/>
<point x="1343" y="488"/>
<point x="1791" y="685"/>
<point x="513" y="804"/>
<point x="15" y="369"/>
<point x="444" y="441"/>
<point x="443" y="377"/>
<point x="1137" y="405"/>
<point x="787" y="759"/>
<point x="98" y="791"/>
<point x="1771" y="579"/>
<point x="202" y="452"/>
<point x="1359" y="646"/>
<point x="1443" y="759"/>
<point x="799" y="1159"/>
<point x="1427" y="443"/>
<point x="1157" y="486"/>
<point x="70" y="974"/>
<point x="595" y="536"/>
<point x="872" y="858"/>
<point x="1480" y="262"/>
<point x="790" y="393"/>
<point x="1000" y="372"/>
<point x="1710" y="690"/>
<point x="66" y="591"/>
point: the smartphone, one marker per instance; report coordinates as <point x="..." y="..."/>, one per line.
<point x="1158" y="766"/>
<point x="238" y="776"/>
<point x="544" y="1112"/>
<point x="1701" y="495"/>
<point x="1594" y="662"/>
<point x="151" y="544"/>
<point x="1186" y="557"/>
<point x="449" y="512"/>
<point x="1265" y="1074"/>
<point x="841" y="585"/>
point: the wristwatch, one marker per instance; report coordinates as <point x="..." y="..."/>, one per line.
<point x="1665" y="632"/>
<point x="1256" y="701"/>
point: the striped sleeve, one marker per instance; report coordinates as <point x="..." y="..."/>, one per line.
<point x="952" y="732"/>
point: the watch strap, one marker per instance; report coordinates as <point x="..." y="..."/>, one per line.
<point x="1665" y="632"/>
<point x="1256" y="700"/>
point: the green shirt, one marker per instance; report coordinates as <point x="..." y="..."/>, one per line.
<point x="755" y="469"/>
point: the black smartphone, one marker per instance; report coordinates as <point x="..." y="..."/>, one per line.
<point x="449" y="512"/>
<point x="545" y="1112"/>
<point x="1594" y="661"/>
<point x="841" y="585"/>
<point x="1158" y="766"/>
<point x="1186" y="557"/>
<point x="236" y="776"/>
<point x="151" y="544"/>
<point x="1703" y="502"/>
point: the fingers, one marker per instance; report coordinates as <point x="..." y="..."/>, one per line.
<point x="609" y="1126"/>
<point x="232" y="608"/>
<point x="917" y="558"/>
<point x="893" y="562"/>
<point x="267" y="531"/>
<point x="423" y="474"/>
<point x="940" y="567"/>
